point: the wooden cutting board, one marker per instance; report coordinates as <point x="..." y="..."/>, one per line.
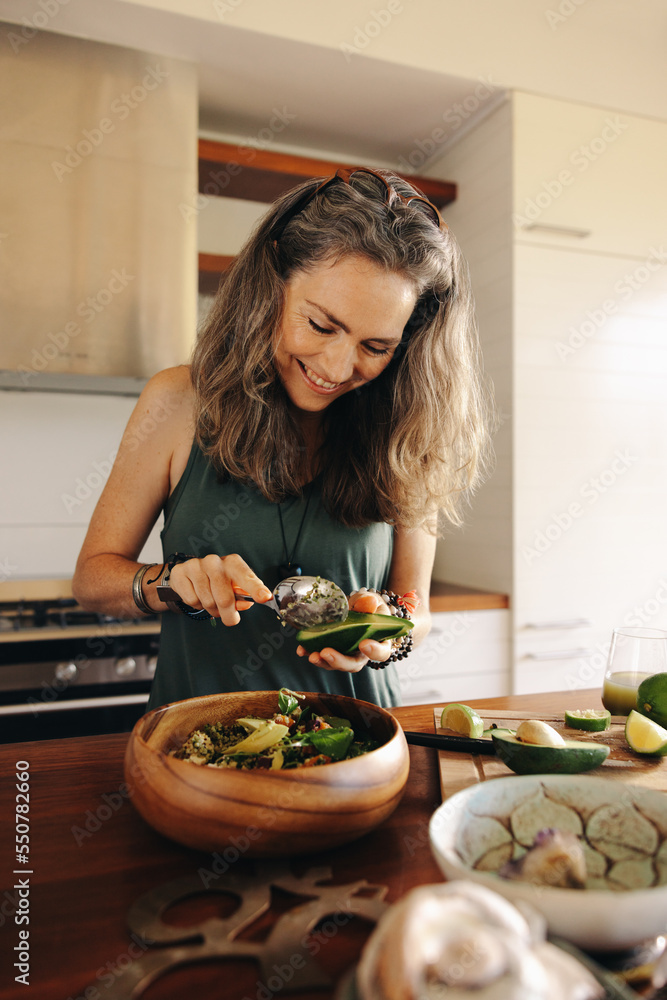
<point x="458" y="770"/>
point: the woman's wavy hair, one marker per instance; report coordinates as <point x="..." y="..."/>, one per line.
<point x="409" y="443"/>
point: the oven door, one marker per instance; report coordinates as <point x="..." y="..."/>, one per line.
<point x="57" y="688"/>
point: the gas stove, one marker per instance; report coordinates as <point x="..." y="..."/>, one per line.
<point x="61" y="613"/>
<point x="65" y="671"/>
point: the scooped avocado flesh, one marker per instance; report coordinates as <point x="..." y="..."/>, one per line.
<point x="572" y="757"/>
<point x="539" y="733"/>
<point x="346" y="636"/>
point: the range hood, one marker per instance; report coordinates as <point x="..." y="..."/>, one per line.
<point x="98" y="259"/>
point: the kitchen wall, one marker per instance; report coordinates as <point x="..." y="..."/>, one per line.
<point x="59" y="448"/>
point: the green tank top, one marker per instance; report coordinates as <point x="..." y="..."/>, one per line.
<point x="203" y="516"/>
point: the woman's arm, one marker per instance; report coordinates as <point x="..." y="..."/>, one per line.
<point x="150" y="461"/>
<point x="411" y="569"/>
<point x="137" y="488"/>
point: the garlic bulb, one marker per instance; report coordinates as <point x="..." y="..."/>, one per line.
<point x="461" y="941"/>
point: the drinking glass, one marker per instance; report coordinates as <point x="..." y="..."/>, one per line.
<point x="634" y="655"/>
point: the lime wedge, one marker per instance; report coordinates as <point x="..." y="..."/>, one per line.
<point x="593" y="720"/>
<point x="645" y="736"/>
<point x="462" y="719"/>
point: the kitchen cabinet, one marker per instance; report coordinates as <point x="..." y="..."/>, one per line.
<point x="588" y="178"/>
<point x="590" y="376"/>
<point x="466" y="654"/>
<point x="573" y="333"/>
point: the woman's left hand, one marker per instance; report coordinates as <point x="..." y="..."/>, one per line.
<point x="369" y="649"/>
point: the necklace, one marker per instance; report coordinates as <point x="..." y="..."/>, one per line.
<point x="289" y="568"/>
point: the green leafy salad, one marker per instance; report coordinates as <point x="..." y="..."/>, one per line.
<point x="295" y="736"/>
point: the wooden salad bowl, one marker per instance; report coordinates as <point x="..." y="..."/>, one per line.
<point x="263" y="813"/>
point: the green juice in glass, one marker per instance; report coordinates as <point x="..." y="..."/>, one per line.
<point x="619" y="692"/>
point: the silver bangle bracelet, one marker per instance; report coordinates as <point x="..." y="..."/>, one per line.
<point x="137" y="592"/>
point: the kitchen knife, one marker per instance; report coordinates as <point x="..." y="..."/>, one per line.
<point x="464" y="744"/>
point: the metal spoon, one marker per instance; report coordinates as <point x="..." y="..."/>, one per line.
<point x="304" y="601"/>
<point x="301" y="601"/>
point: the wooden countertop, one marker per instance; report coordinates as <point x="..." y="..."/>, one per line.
<point x="91" y="855"/>
<point x="454" y="597"/>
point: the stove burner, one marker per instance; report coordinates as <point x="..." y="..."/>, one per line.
<point x="18" y="616"/>
<point x="65" y="618"/>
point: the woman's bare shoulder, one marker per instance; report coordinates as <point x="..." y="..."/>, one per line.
<point x="167" y="406"/>
<point x="167" y="400"/>
<point x="171" y="387"/>
<point x="162" y="422"/>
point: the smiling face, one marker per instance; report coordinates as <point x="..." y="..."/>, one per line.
<point x="341" y="325"/>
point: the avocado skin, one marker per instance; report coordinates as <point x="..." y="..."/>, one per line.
<point x="651" y="701"/>
<point x="530" y="758"/>
<point x="346" y="636"/>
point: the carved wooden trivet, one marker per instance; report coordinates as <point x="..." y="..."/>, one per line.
<point x="219" y="936"/>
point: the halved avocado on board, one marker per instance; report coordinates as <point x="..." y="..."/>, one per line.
<point x="346" y="636"/>
<point x="531" y="758"/>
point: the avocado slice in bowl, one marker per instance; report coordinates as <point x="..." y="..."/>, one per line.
<point x="573" y="757"/>
<point x="346" y="636"/>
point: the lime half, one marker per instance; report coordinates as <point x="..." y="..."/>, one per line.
<point x="593" y="720"/>
<point x="645" y="736"/>
<point x="462" y="719"/>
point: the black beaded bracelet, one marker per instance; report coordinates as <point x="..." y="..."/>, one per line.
<point x="200" y="615"/>
<point x="402" y="646"/>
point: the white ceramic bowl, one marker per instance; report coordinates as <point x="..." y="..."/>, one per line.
<point x="624" y="833"/>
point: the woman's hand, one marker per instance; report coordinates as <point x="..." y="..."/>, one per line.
<point x="369" y="649"/>
<point x="213" y="583"/>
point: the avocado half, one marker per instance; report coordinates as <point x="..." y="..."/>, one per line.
<point x="346" y="636"/>
<point x="531" y="758"/>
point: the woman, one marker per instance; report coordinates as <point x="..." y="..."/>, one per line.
<point x="334" y="404"/>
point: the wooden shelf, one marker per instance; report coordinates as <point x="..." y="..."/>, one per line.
<point x="258" y="175"/>
<point x="251" y="174"/>
<point x="454" y="597"/>
<point x="211" y="266"/>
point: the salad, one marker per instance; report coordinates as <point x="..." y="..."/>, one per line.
<point x="295" y="736"/>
